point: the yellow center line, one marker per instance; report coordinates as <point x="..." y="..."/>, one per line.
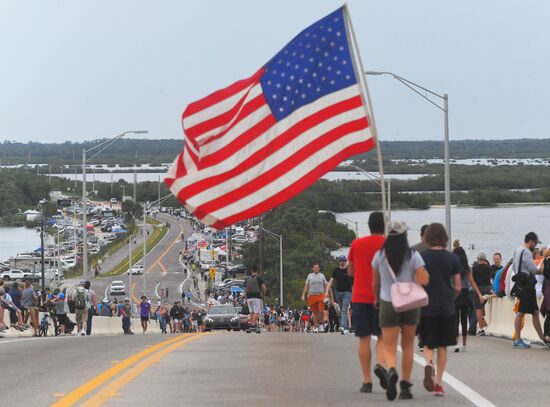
<point x="75" y="395"/>
<point x="136" y="299"/>
<point x="162" y="267"/>
<point x="166" y="251"/>
<point x="113" y="388"/>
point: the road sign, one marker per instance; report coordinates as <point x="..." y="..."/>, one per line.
<point x="212" y="272"/>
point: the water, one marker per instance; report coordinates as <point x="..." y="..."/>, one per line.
<point x="17" y="240"/>
<point x="488" y="229"/>
<point x="106" y="176"/>
<point x="491" y="162"/>
<point x="154" y="176"/>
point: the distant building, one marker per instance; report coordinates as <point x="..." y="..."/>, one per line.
<point x="32" y="215"/>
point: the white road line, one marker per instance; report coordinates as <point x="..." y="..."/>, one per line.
<point x="30" y="338"/>
<point x="466" y="391"/>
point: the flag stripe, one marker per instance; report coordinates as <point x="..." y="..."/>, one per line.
<point x="295" y="188"/>
<point x="218" y="102"/>
<point x="291" y="176"/>
<point x="212" y="131"/>
<point x="235" y="141"/>
<point x="281" y="169"/>
<point x="276" y="150"/>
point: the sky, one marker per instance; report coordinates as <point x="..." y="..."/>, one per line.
<point x="82" y="70"/>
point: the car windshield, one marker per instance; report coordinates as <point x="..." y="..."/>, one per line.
<point x="226" y="310"/>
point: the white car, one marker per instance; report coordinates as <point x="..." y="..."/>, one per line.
<point x="14" y="274"/>
<point x="117" y="288"/>
<point x="136" y="269"/>
<point x="240" y="239"/>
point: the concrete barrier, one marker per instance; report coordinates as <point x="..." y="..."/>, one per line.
<point x="100" y="326"/>
<point x="500" y="315"/>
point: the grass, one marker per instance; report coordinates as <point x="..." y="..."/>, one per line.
<point x="152" y="241"/>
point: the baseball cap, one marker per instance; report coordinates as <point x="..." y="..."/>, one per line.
<point x="61" y="295"/>
<point x="481" y="256"/>
<point x="126" y="299"/>
<point x="81" y="283"/>
<point x="532" y="236"/>
<point x="342" y="258"/>
<point x="397" y="228"/>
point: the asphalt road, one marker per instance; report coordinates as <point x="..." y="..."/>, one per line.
<point x="163" y="269"/>
<point x="236" y="369"/>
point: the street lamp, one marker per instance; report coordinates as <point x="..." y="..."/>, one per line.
<point x="337" y="215"/>
<point x="377" y="180"/>
<point x="445" y="109"/>
<point x="96" y="150"/>
<point x="280" y="238"/>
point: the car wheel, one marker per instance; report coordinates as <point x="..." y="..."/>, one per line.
<point x="237" y="329"/>
<point x="6" y="278"/>
<point x="207" y="330"/>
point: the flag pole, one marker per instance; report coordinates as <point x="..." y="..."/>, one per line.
<point x="365" y="95"/>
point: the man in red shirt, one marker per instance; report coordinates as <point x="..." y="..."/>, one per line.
<point x="364" y="310"/>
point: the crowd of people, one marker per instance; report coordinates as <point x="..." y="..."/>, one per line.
<point x="386" y="289"/>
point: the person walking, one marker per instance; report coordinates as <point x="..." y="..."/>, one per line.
<point x="91" y="306"/>
<point x="437" y="321"/>
<point x="144" y="313"/>
<point x="545" y="306"/>
<point x="315" y="288"/>
<point x="463" y="302"/>
<point x="482" y="272"/>
<point x="396" y="262"/>
<point x="524" y="289"/>
<point x="126" y="317"/>
<point x="342" y="292"/>
<point x="254" y="290"/>
<point x="80" y="298"/>
<point x="364" y="312"/>
<point x="29" y="301"/>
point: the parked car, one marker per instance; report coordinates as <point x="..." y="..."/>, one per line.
<point x="117" y="288"/>
<point x="222" y="317"/>
<point x="14" y="274"/>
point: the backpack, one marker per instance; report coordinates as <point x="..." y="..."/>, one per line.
<point x="251" y="286"/>
<point x="80" y="299"/>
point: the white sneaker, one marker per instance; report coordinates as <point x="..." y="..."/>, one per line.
<point x="456" y="349"/>
<point x="316" y="330"/>
<point x="321" y="328"/>
<point x="346" y="332"/>
<point x="83" y="333"/>
<point x="463" y="348"/>
<point x="341" y="330"/>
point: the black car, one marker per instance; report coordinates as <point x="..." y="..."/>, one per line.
<point x="222" y="317"/>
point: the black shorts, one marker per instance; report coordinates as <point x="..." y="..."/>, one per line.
<point x="61" y="318"/>
<point x="484" y="291"/>
<point x="528" y="302"/>
<point x="438" y="331"/>
<point x="365" y="319"/>
<point x="144" y="319"/>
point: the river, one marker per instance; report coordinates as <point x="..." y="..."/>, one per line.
<point x="489" y="229"/>
<point x="17" y="240"/>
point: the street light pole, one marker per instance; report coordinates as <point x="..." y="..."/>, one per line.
<point x="376" y="179"/>
<point x="84" y="219"/>
<point x="445" y="109"/>
<point x="100" y="147"/>
<point x="280" y="238"/>
<point x="447" y="170"/>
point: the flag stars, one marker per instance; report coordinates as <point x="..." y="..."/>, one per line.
<point x="303" y="95"/>
<point x="338" y="33"/>
<point x="332" y="82"/>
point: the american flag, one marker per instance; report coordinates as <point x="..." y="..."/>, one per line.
<point x="262" y="140"/>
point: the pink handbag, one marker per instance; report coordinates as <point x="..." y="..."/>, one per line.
<point x="406" y="295"/>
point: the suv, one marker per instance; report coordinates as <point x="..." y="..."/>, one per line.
<point x="117" y="288"/>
